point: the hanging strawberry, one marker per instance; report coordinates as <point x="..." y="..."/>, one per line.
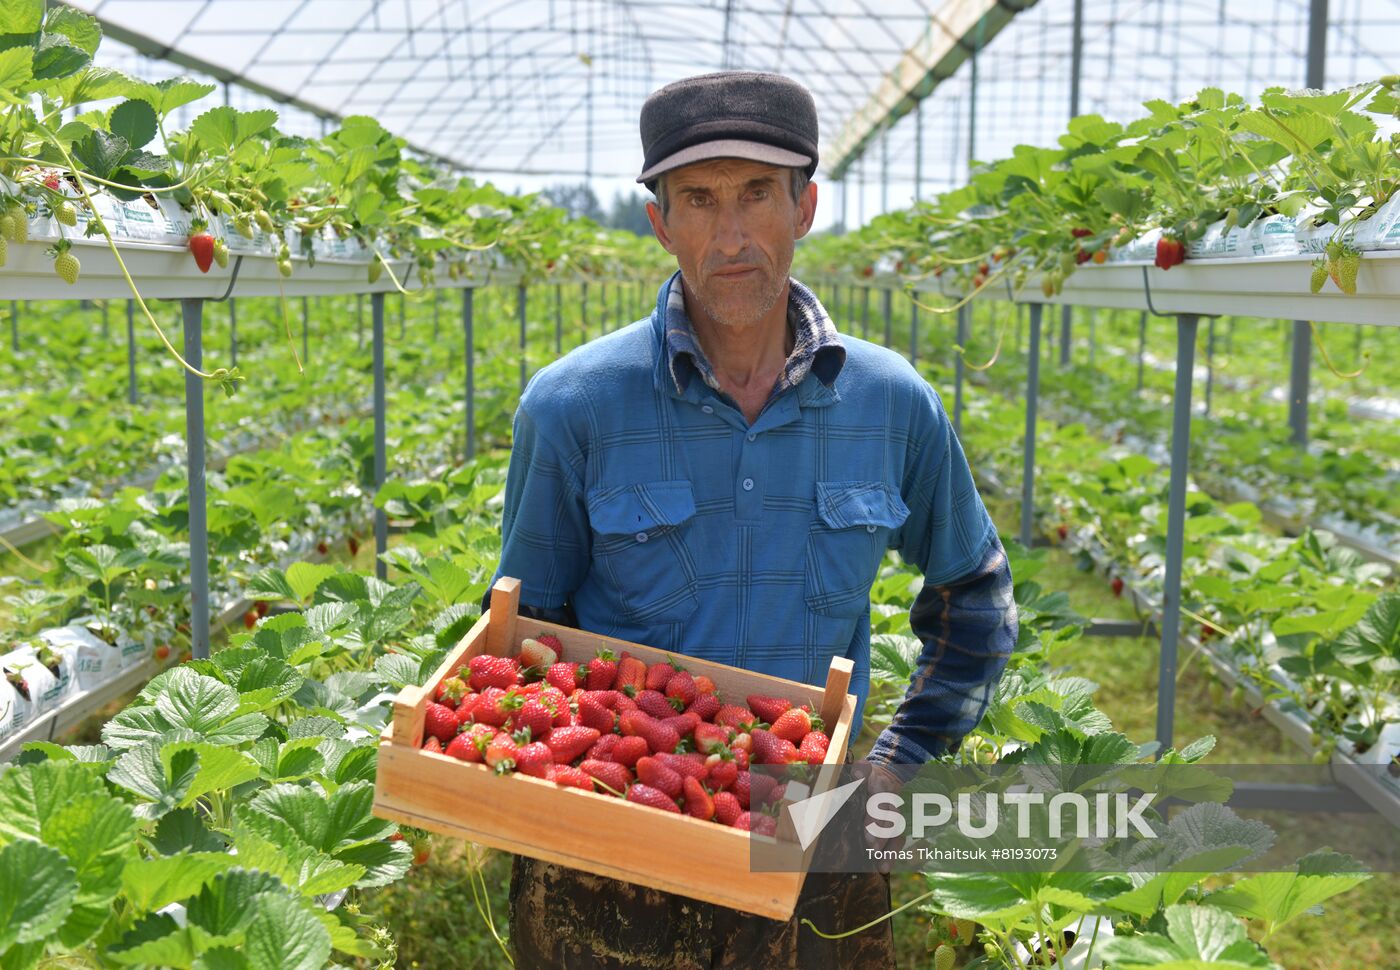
<point x="65" y="264"/>
<point x="201" y="245"/>
<point x="1170" y="252"/>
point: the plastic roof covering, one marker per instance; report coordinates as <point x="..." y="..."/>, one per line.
<point x="503" y="88"/>
<point x="505" y="85"/>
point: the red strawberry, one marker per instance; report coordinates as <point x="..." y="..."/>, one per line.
<point x="1062" y="531"/>
<point x="743" y="741"/>
<point x="651" y="771"/>
<point x="500" y="752"/>
<point x="682" y="724"/>
<point x="466" y="708"/>
<point x="534" y="717"/>
<point x="743" y="820"/>
<point x="592" y="713"/>
<point x="440" y="721"/>
<point x="608" y="774"/>
<point x="761" y="825"/>
<point x="535" y="759"/>
<point x="813" y="748"/>
<point x="768" y="708"/>
<point x="625" y="704"/>
<point x="659" y="736"/>
<point x="681" y="687"/>
<point x="568" y="743"/>
<point x="433" y="744"/>
<point x="552" y="642"/>
<point x="494" y="706"/>
<point x="628" y="750"/>
<point x="353" y="545"/>
<point x="794" y="724"/>
<point x="470" y="745"/>
<point x="646" y="795"/>
<point x="657" y="675"/>
<point x="1170" y="252"/>
<point x="202" y="246"/>
<point x="727" y="808"/>
<point x="706" y="706"/>
<point x="739" y="718"/>
<point x="602" y="671"/>
<point x="723" y="772"/>
<point x="250" y="620"/>
<point x="1079" y="232"/>
<point x="565" y="676"/>
<point x="1117" y="585"/>
<point x="491" y="671"/>
<point x="603" y="748"/>
<point x="655" y="703"/>
<point x="631" y="675"/>
<point x="710" y="738"/>
<point x="769" y="749"/>
<point x="691" y="764"/>
<point x="571" y="777"/>
<point x="698" y="803"/>
<point x="741" y="757"/>
<point x="704" y="685"/>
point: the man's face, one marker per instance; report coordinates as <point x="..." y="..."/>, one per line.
<point x="732" y="226"/>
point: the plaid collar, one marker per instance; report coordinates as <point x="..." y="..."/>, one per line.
<point x="816" y="345"/>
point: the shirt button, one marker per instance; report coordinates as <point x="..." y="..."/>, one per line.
<point x="870" y="528"/>
<point x="642" y="537"/>
<point x="752" y="436"/>
<point x="707" y="409"/>
<point x="748" y="484"/>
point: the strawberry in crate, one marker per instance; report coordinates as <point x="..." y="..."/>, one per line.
<point x="654" y="734"/>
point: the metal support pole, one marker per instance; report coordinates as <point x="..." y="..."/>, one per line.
<point x="919" y="149"/>
<point x="558" y="318"/>
<point x="885" y="169"/>
<point x="913" y="331"/>
<point x="1210" y="361"/>
<point x="621" y="311"/>
<point x="232" y="332"/>
<point x="887" y="299"/>
<point x="14" y="325"/>
<point x="403" y="315"/>
<point x="1032" y="399"/>
<point x="1299" y="377"/>
<point x="1076" y="57"/>
<point x="1186" y="327"/>
<point x="381" y="462"/>
<point x="467" y="314"/>
<point x="305" y="328"/>
<point x="583" y="315"/>
<point x="1316" y="73"/>
<point x="131" y="351"/>
<point x="1066" y="315"/>
<point x="360" y="321"/>
<point x="865" y="313"/>
<point x="106" y="329"/>
<point x="522" y="305"/>
<point x="192" y="318"/>
<point x="1142" y="346"/>
<point x="958" y="369"/>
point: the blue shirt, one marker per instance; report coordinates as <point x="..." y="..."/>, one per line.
<point x="644" y="500"/>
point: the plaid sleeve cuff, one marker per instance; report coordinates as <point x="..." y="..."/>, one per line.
<point x="892" y="749"/>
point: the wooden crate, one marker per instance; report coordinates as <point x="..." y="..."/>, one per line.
<point x="598" y="833"/>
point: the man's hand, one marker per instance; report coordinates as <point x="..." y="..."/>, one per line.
<point x="878" y="778"/>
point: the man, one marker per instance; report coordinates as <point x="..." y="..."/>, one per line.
<point x="722" y="480"/>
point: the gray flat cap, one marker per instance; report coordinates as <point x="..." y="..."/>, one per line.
<point x="731" y="114"/>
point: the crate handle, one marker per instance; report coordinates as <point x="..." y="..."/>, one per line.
<point x="838" y="681"/>
<point x="505" y="610"/>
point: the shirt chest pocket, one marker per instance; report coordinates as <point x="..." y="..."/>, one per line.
<point x="640" y="552"/>
<point x="845" y="543"/>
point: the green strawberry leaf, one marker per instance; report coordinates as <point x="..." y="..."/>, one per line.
<point x="1199" y="938"/>
<point x="150" y="884"/>
<point x="37" y="890"/>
